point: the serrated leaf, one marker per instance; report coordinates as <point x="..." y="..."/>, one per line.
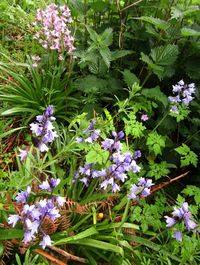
<point x="96" y="155"/>
<point x="187" y="156"/>
<point x="106" y="55"/>
<point x="133" y="127"/>
<point x="156" y="94"/>
<point x="187" y="32"/>
<point x="130" y="78"/>
<point x="157" y="170"/>
<point x="159" y="23"/>
<point x="164" y="55"/>
<point x="107" y="37"/>
<point x="119" y="54"/>
<point x="155" y="143"/>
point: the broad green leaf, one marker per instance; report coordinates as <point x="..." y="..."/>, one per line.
<point x="130" y="78"/>
<point x="106" y="55"/>
<point x="119" y="54"/>
<point x="156" y="94"/>
<point x="87" y="233"/>
<point x="99" y="244"/>
<point x="159" y="23"/>
<point x="151" y="245"/>
<point x="187" y="32"/>
<point x="11" y="233"/>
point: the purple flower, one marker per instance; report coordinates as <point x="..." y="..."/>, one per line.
<point x="178" y="236"/>
<point x="107" y="144"/>
<point x="28" y="237"/>
<point x="181" y="214"/>
<point x="170" y="221"/>
<point x="53" y="31"/>
<point x="141" y="190"/>
<point x="174" y="109"/>
<point x="46" y="241"/>
<point x="45" y="186"/>
<point x="60" y="201"/>
<point x="184" y="95"/>
<point x="44" y="129"/>
<point x="23" y="195"/>
<point x="13" y="219"/>
<point x="137" y="154"/>
<point x="144" y="117"/>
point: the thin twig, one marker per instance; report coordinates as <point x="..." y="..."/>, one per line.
<point x="49" y="257"/>
<point x="67" y="255"/>
<point x="131" y="5"/>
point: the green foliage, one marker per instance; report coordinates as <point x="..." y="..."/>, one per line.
<point x="188" y="157"/>
<point x="161" y="59"/>
<point x="158" y="170"/>
<point x="155" y="142"/>
<point x="132" y="126"/>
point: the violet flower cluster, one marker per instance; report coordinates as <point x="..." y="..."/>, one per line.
<point x="33" y="215"/>
<point x="116" y="169"/>
<point x="180" y="215"/>
<point x="54" y="30"/>
<point x="44" y="129"/>
<point x="184" y="94"/>
<point x="141" y="190"/>
<point x="90" y="135"/>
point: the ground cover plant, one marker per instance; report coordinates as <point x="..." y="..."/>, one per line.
<point x="99" y="130"/>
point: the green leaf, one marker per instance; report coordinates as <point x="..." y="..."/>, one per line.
<point x="187" y="156"/>
<point x="159" y="23"/>
<point x="151" y="245"/>
<point x="158" y="170"/>
<point x="99" y="244"/>
<point x="132" y="126"/>
<point x="96" y="155"/>
<point x="106" y="55"/>
<point x="191" y="190"/>
<point x="155" y="143"/>
<point x="156" y="94"/>
<point x="11" y="233"/>
<point x="87" y="233"/>
<point x="107" y="37"/>
<point x="119" y="54"/>
<point x="188" y="32"/>
<point x="130" y="78"/>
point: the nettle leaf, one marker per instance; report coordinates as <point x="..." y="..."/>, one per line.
<point x="159" y="23"/>
<point x="132" y="126"/>
<point x="106" y="55"/>
<point x="107" y="37"/>
<point x="130" y="78"/>
<point x="187" y="32"/>
<point x="119" y="54"/>
<point x="155" y="93"/>
<point x="155" y="143"/>
<point x="158" y="170"/>
<point x="165" y="55"/>
<point x="188" y="157"/>
<point x="161" y="59"/>
<point x="179" y="11"/>
<point x="97" y="155"/>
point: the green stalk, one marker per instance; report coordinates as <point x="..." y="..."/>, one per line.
<point x="159" y="123"/>
<point x="125" y="215"/>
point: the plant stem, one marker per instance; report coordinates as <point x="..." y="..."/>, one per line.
<point x="163" y="118"/>
<point x="125" y="214"/>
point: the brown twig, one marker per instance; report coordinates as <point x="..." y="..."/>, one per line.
<point x="68" y="255"/>
<point x="131" y="5"/>
<point x="49" y="257"/>
<point x="160" y="186"/>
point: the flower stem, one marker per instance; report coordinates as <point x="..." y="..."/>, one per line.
<point x="125" y="214"/>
